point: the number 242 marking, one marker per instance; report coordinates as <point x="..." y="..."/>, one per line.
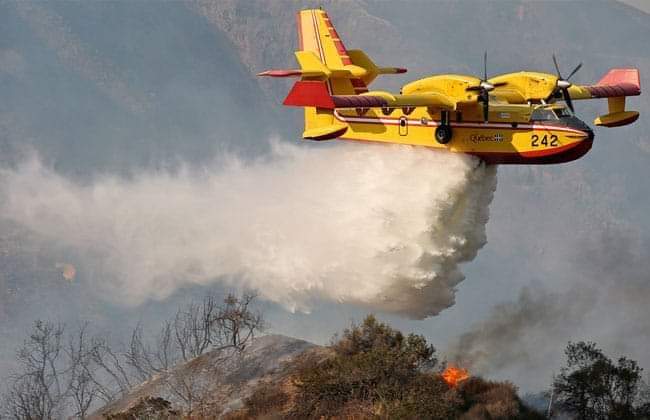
<point x="544" y="141"/>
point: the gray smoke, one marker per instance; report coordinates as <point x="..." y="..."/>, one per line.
<point x="606" y="301"/>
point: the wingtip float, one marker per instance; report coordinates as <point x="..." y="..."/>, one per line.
<point x="513" y="118"/>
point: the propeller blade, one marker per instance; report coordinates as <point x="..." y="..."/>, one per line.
<point x="562" y="85"/>
<point x="486" y="110"/>
<point x="574" y="71"/>
<point x="473" y="88"/>
<point x="550" y="97"/>
<point x="557" y="67"/>
<point x="496" y="85"/>
<point x="485" y="66"/>
<point x="567" y="99"/>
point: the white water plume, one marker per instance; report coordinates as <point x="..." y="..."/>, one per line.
<point x="380" y="226"/>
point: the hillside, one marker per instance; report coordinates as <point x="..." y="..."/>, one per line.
<point x="116" y="88"/>
<point x="371" y="371"/>
<point x="266" y="360"/>
<point x="166" y="86"/>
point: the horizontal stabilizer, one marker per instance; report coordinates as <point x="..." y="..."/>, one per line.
<point x="360" y="59"/>
<point x="311" y="65"/>
<point x="281" y="73"/>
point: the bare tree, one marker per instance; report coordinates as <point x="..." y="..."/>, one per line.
<point x="36" y="392"/>
<point x="190" y="385"/>
<point x="196" y="328"/>
<point x="137" y="356"/>
<point x="237" y="323"/>
<point x="223" y="329"/>
<point x="145" y="360"/>
<point x="61" y="376"/>
<point x="83" y="387"/>
<point x="113" y="377"/>
<point x="211" y="326"/>
<point x="24" y="400"/>
<point x="192" y="327"/>
<point x="164" y="354"/>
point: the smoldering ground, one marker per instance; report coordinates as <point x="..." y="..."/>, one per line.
<point x="385" y="227"/>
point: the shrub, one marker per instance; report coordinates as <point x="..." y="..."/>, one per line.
<point x="377" y="372"/>
<point x="492" y="400"/>
<point x="427" y="397"/>
<point x="264" y="399"/>
<point x="594" y="386"/>
<point x="376" y="366"/>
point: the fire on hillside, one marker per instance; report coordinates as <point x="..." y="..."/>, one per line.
<point x="455" y="375"/>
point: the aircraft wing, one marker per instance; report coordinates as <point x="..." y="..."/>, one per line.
<point x="616" y="83"/>
<point x="316" y="93"/>
<point x="523" y="87"/>
<point x="387" y="100"/>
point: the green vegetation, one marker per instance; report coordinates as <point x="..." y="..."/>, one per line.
<point x="371" y="371"/>
<point x="379" y="369"/>
<point x="375" y="371"/>
<point x="592" y="386"/>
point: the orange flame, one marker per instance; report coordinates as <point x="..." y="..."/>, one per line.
<point x="454" y="375"/>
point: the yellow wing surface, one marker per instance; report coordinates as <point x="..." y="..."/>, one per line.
<point x="525" y="87"/>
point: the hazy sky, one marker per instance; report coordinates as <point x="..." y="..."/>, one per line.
<point x="642" y="5"/>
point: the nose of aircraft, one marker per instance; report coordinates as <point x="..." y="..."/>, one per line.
<point x="578" y="124"/>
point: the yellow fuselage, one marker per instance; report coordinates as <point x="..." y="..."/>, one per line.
<point x="509" y="136"/>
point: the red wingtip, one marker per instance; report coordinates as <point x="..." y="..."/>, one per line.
<point x="621" y="76"/>
<point x="617" y="82"/>
<point x="400" y="70"/>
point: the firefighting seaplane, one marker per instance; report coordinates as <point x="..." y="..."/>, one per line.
<point x="511" y="118"/>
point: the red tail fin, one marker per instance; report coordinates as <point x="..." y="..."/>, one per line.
<point x="309" y="93"/>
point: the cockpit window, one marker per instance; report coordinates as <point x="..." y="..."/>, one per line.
<point x="543" y="114"/>
<point x="563" y="112"/>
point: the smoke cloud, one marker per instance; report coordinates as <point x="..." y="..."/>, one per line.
<point x="606" y="302"/>
<point x="379" y="226"/>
